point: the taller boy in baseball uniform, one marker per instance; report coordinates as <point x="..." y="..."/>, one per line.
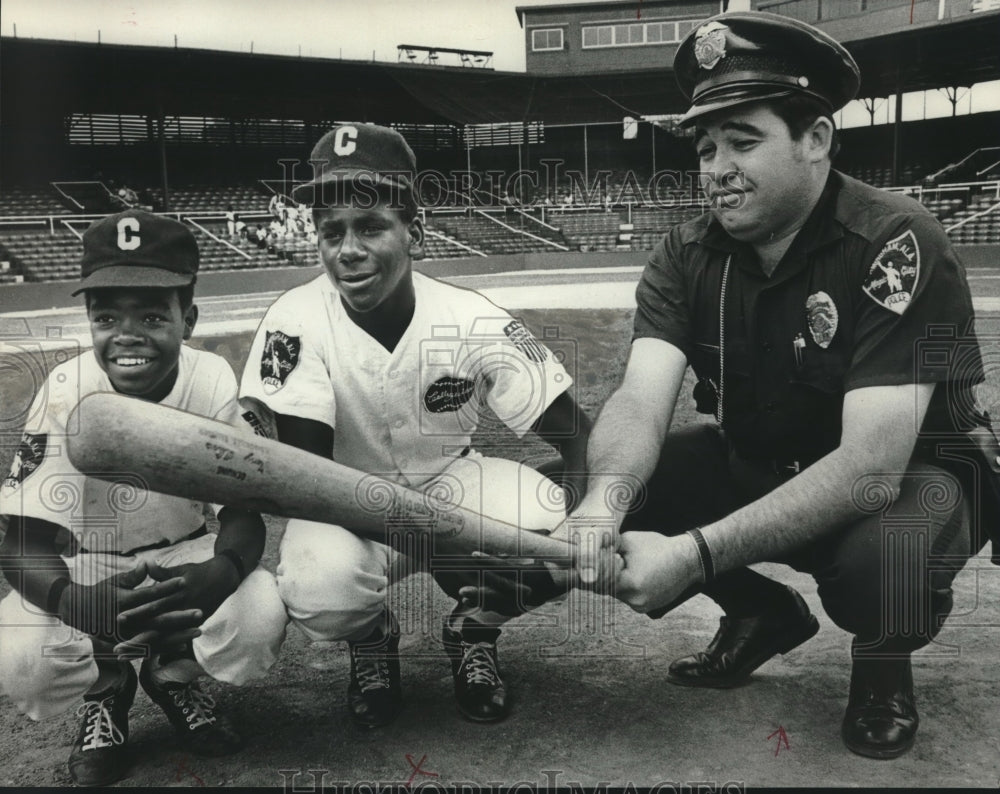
<point x="385" y="370"/>
<point x="94" y="564"/>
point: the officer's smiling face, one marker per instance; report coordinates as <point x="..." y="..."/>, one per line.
<point x="759" y="181"/>
<point x="367" y="252"/>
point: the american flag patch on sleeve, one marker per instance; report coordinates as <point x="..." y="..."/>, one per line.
<point x="525" y="342"/>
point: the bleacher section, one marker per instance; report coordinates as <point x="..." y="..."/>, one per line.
<point x="943" y="208"/>
<point x="984" y="229"/>
<point x="45" y="249"/>
<point x="30" y="201"/>
<point x="588" y="231"/>
<point x="438" y="248"/>
<point x="490" y="237"/>
<point x="651" y="224"/>
<point x="881" y="176"/>
<point x="193" y="198"/>
<point x="41" y="256"/>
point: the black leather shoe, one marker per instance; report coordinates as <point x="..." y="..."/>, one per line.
<point x="375" y="694"/>
<point x="881" y="718"/>
<point x="479" y="687"/>
<point x="99" y="756"/>
<point x="200" y="728"/>
<point x="742" y="645"/>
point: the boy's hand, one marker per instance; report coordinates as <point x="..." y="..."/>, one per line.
<point x="206" y="584"/>
<point x="105" y="610"/>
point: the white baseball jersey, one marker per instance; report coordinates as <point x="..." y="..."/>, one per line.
<point x="107" y="516"/>
<point x="402" y="415"/>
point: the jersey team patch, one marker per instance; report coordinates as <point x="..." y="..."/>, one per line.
<point x="448" y="394"/>
<point x="525" y="342"/>
<point x="893" y="275"/>
<point x="29" y="456"/>
<point x="281" y="354"/>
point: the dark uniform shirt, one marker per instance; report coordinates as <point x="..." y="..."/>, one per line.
<point x="870" y="293"/>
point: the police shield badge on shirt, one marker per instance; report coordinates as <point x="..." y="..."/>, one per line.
<point x="822" y="316"/>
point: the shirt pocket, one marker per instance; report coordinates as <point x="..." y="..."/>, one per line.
<point x="821" y="370"/>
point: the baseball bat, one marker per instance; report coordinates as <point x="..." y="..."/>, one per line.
<point x="182" y="454"/>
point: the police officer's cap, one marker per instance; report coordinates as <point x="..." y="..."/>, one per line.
<point x="746" y="56"/>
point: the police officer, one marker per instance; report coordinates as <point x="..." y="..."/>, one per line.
<point x="830" y="328"/>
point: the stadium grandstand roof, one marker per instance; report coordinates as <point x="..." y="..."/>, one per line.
<point x="102" y="78"/>
<point x="73" y="77"/>
<point x="960" y="52"/>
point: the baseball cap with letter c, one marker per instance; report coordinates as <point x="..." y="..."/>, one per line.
<point x="360" y="154"/>
<point x="135" y="248"/>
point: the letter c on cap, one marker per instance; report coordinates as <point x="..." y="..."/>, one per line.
<point x="128" y="234"/>
<point x="344" y="140"/>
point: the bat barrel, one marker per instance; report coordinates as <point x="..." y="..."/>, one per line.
<point x="180" y="454"/>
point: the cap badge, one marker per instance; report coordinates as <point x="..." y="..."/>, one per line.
<point x="710" y="44"/>
<point x="822" y="317"/>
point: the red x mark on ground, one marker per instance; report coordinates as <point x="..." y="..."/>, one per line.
<point x="183" y="767"/>
<point x="418" y="768"/>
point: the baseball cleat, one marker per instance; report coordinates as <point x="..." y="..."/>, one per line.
<point x="192" y="713"/>
<point x="375" y="694"/>
<point x="479" y="687"/>
<point x="741" y="645"/>
<point x="100" y="756"/>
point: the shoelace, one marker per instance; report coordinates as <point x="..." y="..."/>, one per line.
<point x="372" y="672"/>
<point x="195" y="705"/>
<point x="480" y="666"/>
<point x="101" y="730"/>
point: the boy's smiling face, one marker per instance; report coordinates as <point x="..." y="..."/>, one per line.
<point x="137" y="334"/>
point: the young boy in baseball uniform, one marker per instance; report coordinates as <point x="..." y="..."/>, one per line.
<point x="385" y="370"/>
<point x="100" y="570"/>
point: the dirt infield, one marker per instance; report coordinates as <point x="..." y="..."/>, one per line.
<point x="591" y="705"/>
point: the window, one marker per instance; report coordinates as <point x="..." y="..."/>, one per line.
<point x="637" y="34"/>
<point x="546" y="39"/>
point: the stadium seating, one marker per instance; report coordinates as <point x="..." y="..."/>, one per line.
<point x="29" y="251"/>
<point x="588" y="230"/>
<point x="984" y="229"/>
<point x="490" y="237"/>
<point x="441" y="247"/>
<point x="30" y="201"/>
<point x="194" y="199"/>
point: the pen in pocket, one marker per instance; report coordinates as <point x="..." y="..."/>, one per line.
<point x="798" y="345"/>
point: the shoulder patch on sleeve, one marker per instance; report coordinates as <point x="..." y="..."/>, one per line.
<point x="525" y="342"/>
<point x="280" y="356"/>
<point x="892" y="277"/>
<point x="29" y="456"/>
